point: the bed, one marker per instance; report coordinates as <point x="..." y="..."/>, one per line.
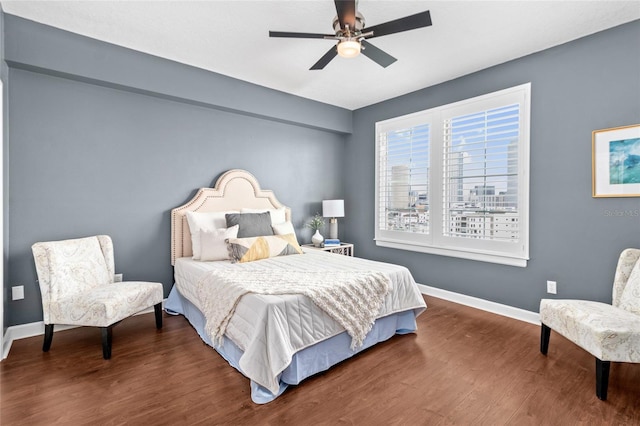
<point x="278" y="338"/>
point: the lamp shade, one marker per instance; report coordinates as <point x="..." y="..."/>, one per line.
<point x="333" y="208"/>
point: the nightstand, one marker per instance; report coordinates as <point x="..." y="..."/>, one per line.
<point x="345" y="249"/>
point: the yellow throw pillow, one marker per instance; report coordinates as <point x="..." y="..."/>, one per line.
<point x="243" y="250"/>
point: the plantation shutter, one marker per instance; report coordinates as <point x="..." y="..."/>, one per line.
<point x="403" y="177"/>
<point x="480" y="174"/>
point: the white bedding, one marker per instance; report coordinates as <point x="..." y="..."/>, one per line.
<point x="271" y="328"/>
<point x="351" y="298"/>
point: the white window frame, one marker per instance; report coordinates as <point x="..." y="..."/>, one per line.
<point x="506" y="253"/>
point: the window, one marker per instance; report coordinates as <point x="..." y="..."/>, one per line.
<point x="454" y="180"/>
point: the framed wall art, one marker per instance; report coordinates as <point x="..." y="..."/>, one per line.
<point x="616" y="162"/>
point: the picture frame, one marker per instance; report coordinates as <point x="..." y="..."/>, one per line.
<point x="616" y="162"/>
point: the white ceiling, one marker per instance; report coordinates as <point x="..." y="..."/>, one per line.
<point x="231" y="38"/>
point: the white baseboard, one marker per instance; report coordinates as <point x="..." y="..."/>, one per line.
<point x="485" y="305"/>
<point x="23" y="331"/>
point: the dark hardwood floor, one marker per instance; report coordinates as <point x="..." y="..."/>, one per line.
<point x="464" y="366"/>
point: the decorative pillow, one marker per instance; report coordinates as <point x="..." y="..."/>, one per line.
<point x="251" y="224"/>
<point x="283" y="228"/>
<point x="244" y="250"/>
<point x="204" y="221"/>
<point x="630" y="297"/>
<point x="278" y="216"/>
<point x="214" y="245"/>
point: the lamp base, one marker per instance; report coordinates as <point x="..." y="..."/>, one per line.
<point x="333" y="228"/>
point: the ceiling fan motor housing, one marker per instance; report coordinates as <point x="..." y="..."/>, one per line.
<point x="354" y="31"/>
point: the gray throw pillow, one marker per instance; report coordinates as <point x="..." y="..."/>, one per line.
<point x="250" y="224"/>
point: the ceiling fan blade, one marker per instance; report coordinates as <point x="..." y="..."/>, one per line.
<point x="377" y="55"/>
<point x="419" y="20"/>
<point x="299" y="35"/>
<point x="346" y="13"/>
<point x="325" y="59"/>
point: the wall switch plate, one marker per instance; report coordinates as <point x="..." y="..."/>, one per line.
<point x="117" y="278"/>
<point x="17" y="292"/>
<point x="552" y="287"/>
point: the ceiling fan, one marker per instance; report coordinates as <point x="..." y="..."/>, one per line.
<point x="349" y="27"/>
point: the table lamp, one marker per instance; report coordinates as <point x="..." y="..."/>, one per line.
<point x="333" y="209"/>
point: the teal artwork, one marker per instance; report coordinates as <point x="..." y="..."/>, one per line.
<point x="624" y="161"/>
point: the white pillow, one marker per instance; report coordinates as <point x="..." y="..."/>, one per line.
<point x="204" y="221"/>
<point x="214" y="243"/>
<point x="283" y="228"/>
<point x="278" y="216"/>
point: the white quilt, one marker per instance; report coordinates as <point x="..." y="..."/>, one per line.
<point x="271" y="328"/>
<point x="352" y="298"/>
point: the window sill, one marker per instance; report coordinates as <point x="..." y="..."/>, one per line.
<point x="461" y="254"/>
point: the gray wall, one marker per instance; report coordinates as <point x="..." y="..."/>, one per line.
<point x="588" y="84"/>
<point x="93" y="153"/>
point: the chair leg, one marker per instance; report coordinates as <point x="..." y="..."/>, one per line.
<point x="545" y="333"/>
<point x="107" y="333"/>
<point x="48" y="337"/>
<point x="158" y="309"/>
<point x="602" y="378"/>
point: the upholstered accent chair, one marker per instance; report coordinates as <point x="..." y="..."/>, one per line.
<point x="608" y="332"/>
<point x="76" y="280"/>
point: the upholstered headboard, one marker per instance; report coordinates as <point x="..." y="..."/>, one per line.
<point x="234" y="190"/>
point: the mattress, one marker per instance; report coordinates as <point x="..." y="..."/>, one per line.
<point x="268" y="346"/>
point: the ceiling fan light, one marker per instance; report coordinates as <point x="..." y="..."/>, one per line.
<point x="349" y="48"/>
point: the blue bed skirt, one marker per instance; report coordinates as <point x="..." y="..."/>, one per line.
<point x="306" y="362"/>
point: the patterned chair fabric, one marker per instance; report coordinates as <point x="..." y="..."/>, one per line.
<point x="608" y="332"/>
<point x="76" y="280"/>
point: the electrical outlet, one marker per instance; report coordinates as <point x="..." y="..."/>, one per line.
<point x="17" y="292"/>
<point x="552" y="287"/>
